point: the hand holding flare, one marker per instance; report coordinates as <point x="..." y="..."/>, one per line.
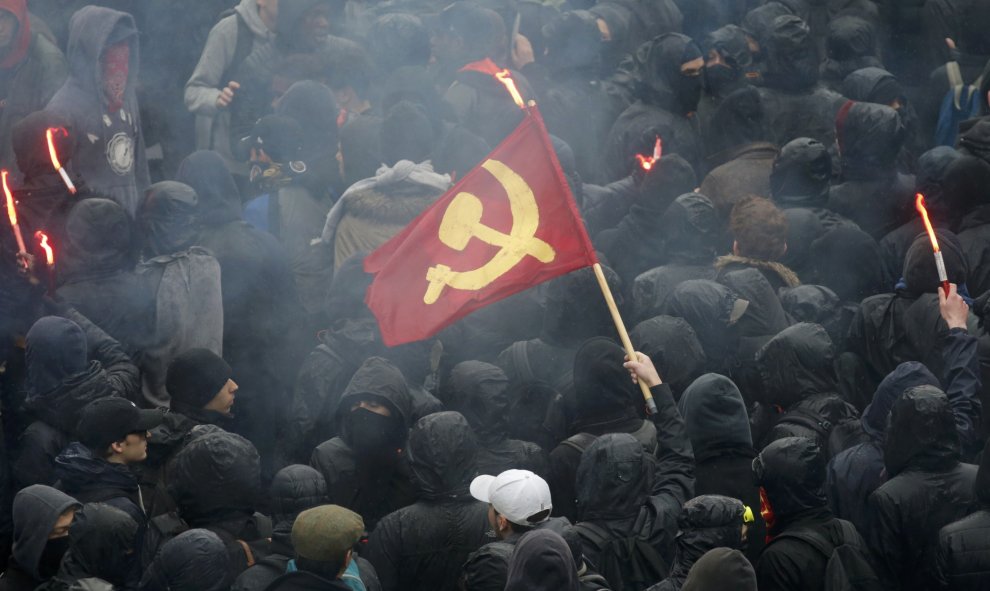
<point x="943" y="277"/>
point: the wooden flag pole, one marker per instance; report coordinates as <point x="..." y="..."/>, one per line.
<point x="651" y="405"/>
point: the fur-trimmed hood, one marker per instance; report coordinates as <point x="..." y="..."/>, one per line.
<point x="788" y="278"/>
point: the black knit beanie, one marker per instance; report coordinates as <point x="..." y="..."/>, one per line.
<point x="195" y="377"/>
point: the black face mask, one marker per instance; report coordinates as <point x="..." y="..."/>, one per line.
<point x="372" y="435"/>
<point x="688" y="93"/>
<point x="720" y="79"/>
<point x="51" y="557"/>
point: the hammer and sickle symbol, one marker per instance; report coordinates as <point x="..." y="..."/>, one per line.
<point x="462" y="222"/>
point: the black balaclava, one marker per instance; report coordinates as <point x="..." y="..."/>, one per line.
<point x="665" y="85"/>
<point x="731" y="44"/>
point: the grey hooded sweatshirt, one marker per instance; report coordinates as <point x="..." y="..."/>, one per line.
<point x="36" y="509"/>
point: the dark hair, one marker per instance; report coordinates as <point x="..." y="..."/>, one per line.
<point x="759" y="228"/>
<point x="522" y="529"/>
<point x="349" y="65"/>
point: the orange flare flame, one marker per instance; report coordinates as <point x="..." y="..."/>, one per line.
<point x="510" y="85"/>
<point x="647" y="162"/>
<point x="43" y="241"/>
<point x="12" y="212"/>
<point x="50" y="136"/>
<point x="919" y="203"/>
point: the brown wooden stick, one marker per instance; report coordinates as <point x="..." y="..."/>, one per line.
<point x="651" y="405"/>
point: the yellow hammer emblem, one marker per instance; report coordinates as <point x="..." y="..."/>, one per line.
<point x="462" y="221"/>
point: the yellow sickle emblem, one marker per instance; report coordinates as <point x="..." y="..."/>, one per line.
<point x="462" y="222"/>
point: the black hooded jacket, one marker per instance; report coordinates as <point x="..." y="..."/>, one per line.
<point x="479" y="391"/>
<point x="961" y="558"/>
<point x="664" y="100"/>
<point x="965" y="180"/>
<point x="604" y="401"/>
<point x="542" y="562"/>
<point x="70" y="364"/>
<point x="928" y="487"/>
<point x="690" y="231"/>
<point x="420" y="546"/>
<point x="792" y="472"/>
<point x="674" y="349"/>
<point x="639" y="241"/>
<point x="36" y="510"/>
<point x="100" y="556"/>
<point x="97" y="269"/>
<point x="906" y="325"/>
<point x="795" y="104"/>
<point x="851" y="45"/>
<point x="799" y="377"/>
<point x="716" y="419"/>
<point x="706" y="522"/>
<point x="369" y="487"/>
<point x="195" y="560"/>
<point x="800" y="180"/>
<point x="855" y="473"/>
<point x="91" y="479"/>
<point x="873" y="194"/>
<point x="627" y="493"/>
<point x="708" y="307"/>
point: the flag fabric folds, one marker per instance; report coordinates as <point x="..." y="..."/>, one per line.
<point x="509" y="224"/>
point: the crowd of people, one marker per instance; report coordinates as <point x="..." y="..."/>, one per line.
<point x="196" y="397"/>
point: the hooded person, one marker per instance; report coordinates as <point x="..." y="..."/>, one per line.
<point x="33" y="69"/>
<point x="691" y="236"/>
<point x="849" y="262"/>
<point x="851" y="45"/>
<point x="101" y="550"/>
<point x="716" y="419"/>
<point x="261" y="308"/>
<point x="876" y="85"/>
<point x="858" y="471"/>
<point x="668" y="82"/>
<point x="872" y="193"/>
<point x="906" y="325"/>
<point x="479" y="391"/>
<point x="312" y="106"/>
<point x="294" y="489"/>
<point x="932" y="179"/>
<point x="195" y="560"/>
<point x="927" y="487"/>
<point x="215" y="481"/>
<point x="603" y="402"/>
<point x="418" y="547"/>
<point x="97" y="272"/>
<point x="188" y="300"/>
<point x="673" y="347"/>
<point x="740" y="154"/>
<point x="797" y="106"/>
<point x="630" y="500"/>
<point x="42" y="517"/>
<point x="800" y="180"/>
<point x="69" y="364"/>
<point x="718" y="566"/>
<point x="542" y="561"/>
<point x="573" y="313"/>
<point x="374" y="209"/>
<point x="294" y="201"/>
<point x="365" y="466"/>
<point x="799" y="379"/>
<point x="960" y="557"/>
<point x="99" y="100"/>
<point x="637" y="242"/>
<point x="706" y="522"/>
<point x="729" y="66"/>
<point x="712" y="310"/>
<point x="791" y="475"/>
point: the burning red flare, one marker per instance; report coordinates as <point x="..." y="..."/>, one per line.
<point x="42" y="239"/>
<point x="647" y="162"/>
<point x="505" y="78"/>
<point x="12" y="212"/>
<point x="943" y="277"/>
<point x="50" y="136"/>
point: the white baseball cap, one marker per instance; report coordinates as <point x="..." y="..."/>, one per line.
<point x="517" y="495"/>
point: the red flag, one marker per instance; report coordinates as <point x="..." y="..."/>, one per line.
<point x="509" y="224"/>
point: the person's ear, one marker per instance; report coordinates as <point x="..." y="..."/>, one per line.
<point x="117" y="447"/>
<point x="347" y="562"/>
<point x="502" y="522"/>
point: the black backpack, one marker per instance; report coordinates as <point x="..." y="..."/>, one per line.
<point x="833" y="438"/>
<point x="628" y="564"/>
<point x="848" y="568"/>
